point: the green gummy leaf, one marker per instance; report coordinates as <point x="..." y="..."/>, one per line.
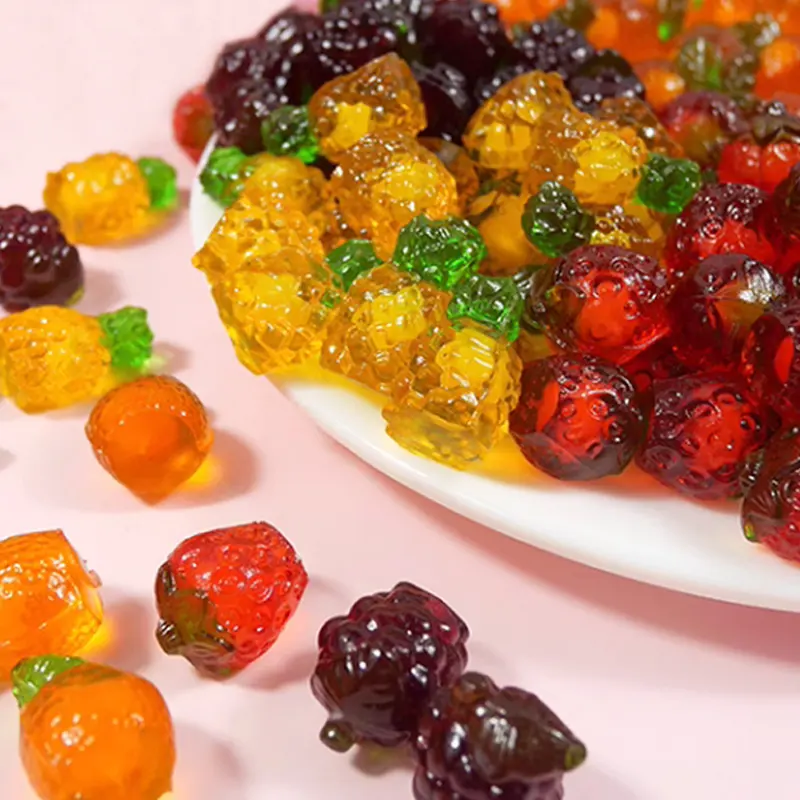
<point x="127" y="337"/>
<point x="668" y="184"/>
<point x="350" y="260"/>
<point x="287" y="132"/>
<point x="162" y="183"/>
<point x="555" y="222"/>
<point x="33" y="674"/>
<point x="495" y="303"/>
<point x="225" y="173"/>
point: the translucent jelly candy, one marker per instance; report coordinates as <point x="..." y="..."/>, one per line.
<point x="53" y="357"/>
<point x="110" y="198"/>
<point x="502" y="134"/>
<point x="399" y="646"/>
<point x="225" y="173"/>
<point x="387" y="319"/>
<point x="50" y="601"/>
<point x="275" y="309"/>
<point x="779" y="66"/>
<point x="91" y="731"/>
<point x="449" y="104"/>
<point x="631" y="226"/>
<point x="193" y="122"/>
<point x="458" y="164"/>
<point x="494" y="303"/>
<point x="38" y="266"/>
<point x="578" y="417"/>
<point x="715" y="59"/>
<point x="380" y="96"/>
<point x="461" y="756"/>
<point x="555" y="222"/>
<point x="606" y="74"/>
<point x="224" y="596"/>
<point x="661" y="81"/>
<point x="459" y="396"/>
<point x="287" y="132"/>
<point x="702" y="429"/>
<point x="350" y="260"/>
<point x="151" y="435"/>
<point x="631" y="112"/>
<point x="628" y="26"/>
<point x="386" y="180"/>
<point x="669" y="184"/>
<point x="604" y="300"/>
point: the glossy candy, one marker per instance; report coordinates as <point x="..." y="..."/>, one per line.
<point x="225" y="173"/>
<point x="50" y="601"/>
<point x="52" y="357"/>
<point x="493" y="303"/>
<point x="555" y="222"/>
<point x="287" y="131"/>
<point x="151" y="435"/>
<point x="379" y="665"/>
<point x="93" y="732"/>
<point x="668" y="184"/>
<point x="193" y="122"/>
<point x="606" y="74"/>
<point x="350" y="260"/>
<point x="224" y="596"/>
<point x="635" y="113"/>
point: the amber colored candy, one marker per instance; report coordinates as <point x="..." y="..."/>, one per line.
<point x="632" y="226"/>
<point x="786" y="13"/>
<point x="386" y="320"/>
<point x="779" y="67"/>
<point x="386" y="180"/>
<point x="514" y="11"/>
<point x="92" y="732"/>
<point x="723" y="13"/>
<point x="383" y="95"/>
<point x="662" y="82"/>
<point x="151" y="435"/>
<point x="50" y="602"/>
<point x="458" y="164"/>
<point x="627" y="26"/>
<point x="634" y="113"/>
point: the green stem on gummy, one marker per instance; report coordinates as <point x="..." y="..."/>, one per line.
<point x="162" y="183"/>
<point x="31" y="675"/>
<point x="128" y="338"/>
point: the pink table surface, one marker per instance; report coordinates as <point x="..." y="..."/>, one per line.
<point x="676" y="697"/>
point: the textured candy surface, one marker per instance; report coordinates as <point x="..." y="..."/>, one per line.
<point x="151" y="435"/>
<point x="493" y="303"/>
<point x="668" y="184"/>
<point x="379" y="665"/>
<point x="224" y="596"/>
<point x="555" y="222"/>
<point x="50" y="601"/>
<point x="287" y="131"/>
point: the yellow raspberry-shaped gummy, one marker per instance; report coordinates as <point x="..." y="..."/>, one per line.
<point x="383" y="95"/>
<point x="386" y="180"/>
<point x="458" y="401"/>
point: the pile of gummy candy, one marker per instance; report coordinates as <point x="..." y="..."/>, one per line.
<point x="578" y="222"/>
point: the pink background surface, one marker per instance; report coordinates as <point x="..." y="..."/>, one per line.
<point x="676" y="697"/>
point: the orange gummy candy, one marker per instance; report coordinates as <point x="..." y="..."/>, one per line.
<point x="151" y="434"/>
<point x="49" y="603"/>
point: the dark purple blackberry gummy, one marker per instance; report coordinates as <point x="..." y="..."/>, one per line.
<point x="288" y="26"/>
<point x="468" y="35"/>
<point x="379" y="666"/>
<point x="550" y="46"/>
<point x="37" y="264"/>
<point x="239" y="61"/>
<point x="238" y="118"/>
<point x="603" y="75"/>
<point x="448" y="103"/>
<point x="479" y="741"/>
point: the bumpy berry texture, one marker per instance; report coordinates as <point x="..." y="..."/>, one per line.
<point x="387" y="319"/>
<point x="668" y="184"/>
<point x="632" y="227"/>
<point x="386" y="180"/>
<point x="603" y="300"/>
<point x="725" y="218"/>
<point x="783" y="222"/>
<point x="462" y="388"/>
<point x="657" y="363"/>
<point x="459" y="165"/>
<point x="448" y="100"/>
<point x="101" y="200"/>
<point x="225" y="172"/>
<point x="50" y="601"/>
<point x="38" y="266"/>
<point x="714" y="305"/>
<point x="462" y="757"/>
<point x="550" y="46"/>
<point x="716" y="60"/>
<point x="603" y="75"/>
<point x="93" y="731"/>
<point x="702" y="428"/>
<point x="193" y="122"/>
<point x="494" y="303"/>
<point x="224" y="596"/>
<point x="350" y="260"/>
<point x="52" y="357"/>
<point x="162" y="183"/>
<point x="662" y="84"/>
<point x="555" y="222"/>
<point x="635" y="113"/>
<point x="578" y="417"/>
<point x="151" y="435"/>
<point x="287" y="132"/>
<point x="379" y="666"/>
<point x="771" y="507"/>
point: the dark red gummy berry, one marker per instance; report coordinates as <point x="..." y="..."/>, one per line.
<point x="714" y="306"/>
<point x="288" y="26"/>
<point x="722" y="218"/>
<point x="478" y="741"/>
<point x="603" y="75"/>
<point x="578" y="417"/>
<point x="448" y="102"/>
<point x="702" y="123"/>
<point x="37" y="264"/>
<point x="784" y="222"/>
<point x="771" y="507"/>
<point x="550" y="46"/>
<point x="380" y="665"/>
<point x="224" y="596"/>
<point x="193" y="122"/>
<point x="603" y="300"/>
<point x="657" y="363"/>
<point x="702" y="428"/>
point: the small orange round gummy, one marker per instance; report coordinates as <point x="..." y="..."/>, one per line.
<point x="151" y="435"/>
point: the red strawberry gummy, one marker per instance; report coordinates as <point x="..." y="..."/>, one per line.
<point x="224" y="596"/>
<point x="725" y="218"/>
<point x="784" y="220"/>
<point x="578" y="417"/>
<point x="379" y="666"/>
<point x="657" y="363"/>
<point x="478" y="741"/>
<point x="193" y="122"/>
<point x="714" y="306"/>
<point x="603" y="300"/>
<point x="702" y="428"/>
<point x="771" y="507"/>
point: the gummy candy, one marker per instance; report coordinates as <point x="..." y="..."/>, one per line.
<point x="715" y="59"/>
<point x="661" y="82"/>
<point x="52" y="357"/>
<point x="628" y="26"/>
<point x="494" y="303"/>
<point x="50" y="601"/>
<point x="225" y="173"/>
<point x="458" y="164"/>
<point x="550" y="45"/>
<point x="193" y="122"/>
<point x="91" y="731"/>
<point x="449" y="104"/>
<point x="555" y="222"/>
<point x="606" y="74"/>
<point x="287" y="132"/>
<point x="151" y="435"/>
<point x="224" y="596"/>
<point x="110" y="198"/>
<point x="668" y="184"/>
<point x="634" y="113"/>
<point x="379" y="665"/>
<point x="350" y="260"/>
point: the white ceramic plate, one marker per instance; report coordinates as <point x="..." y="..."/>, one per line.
<point x="629" y="526"/>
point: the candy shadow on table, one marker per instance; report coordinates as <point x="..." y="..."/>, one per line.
<point x="102" y="292"/>
<point x="154" y="236"/>
<point x="207" y="768"/>
<point x="6" y="459"/>
<point x="169" y="359"/>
